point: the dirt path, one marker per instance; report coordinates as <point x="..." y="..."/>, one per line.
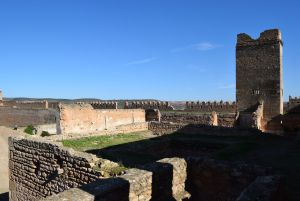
<point x="4" y="134"/>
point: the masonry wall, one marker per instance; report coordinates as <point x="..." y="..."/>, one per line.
<point x="219" y="107"/>
<point x="102" y="105"/>
<point x="160" y="128"/>
<point x="24" y="117"/>
<point x="75" y="118"/>
<point x="259" y="73"/>
<point x="179" y="179"/>
<point x="26" y="104"/>
<point x="39" y="169"/>
<point x="149" y="105"/>
<point x="224" y="120"/>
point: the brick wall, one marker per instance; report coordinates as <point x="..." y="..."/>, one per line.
<point x="219" y="107"/>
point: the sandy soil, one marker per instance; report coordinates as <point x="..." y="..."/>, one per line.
<point x="4" y="134"/>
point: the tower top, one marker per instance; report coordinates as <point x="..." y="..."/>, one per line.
<point x="266" y="37"/>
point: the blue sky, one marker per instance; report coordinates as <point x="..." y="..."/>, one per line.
<point x="127" y="49"/>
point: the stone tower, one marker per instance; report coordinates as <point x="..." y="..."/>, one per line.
<point x="259" y="73"/>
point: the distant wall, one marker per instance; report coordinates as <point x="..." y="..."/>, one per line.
<point x="149" y="105"/>
<point x="75" y="118"/>
<point x="219" y="107"/>
<point x="293" y="102"/>
<point x="102" y="105"/>
<point x="24" y="117"/>
<point x="26" y="104"/>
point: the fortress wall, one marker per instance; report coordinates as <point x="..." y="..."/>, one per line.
<point x="26" y="104"/>
<point x="101" y="105"/>
<point x="82" y="118"/>
<point x="219" y="107"/>
<point x="24" y="117"/>
<point x="38" y="169"/>
<point x="224" y="120"/>
<point x="149" y="105"/>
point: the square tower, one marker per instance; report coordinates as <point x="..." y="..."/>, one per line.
<point x="259" y="73"/>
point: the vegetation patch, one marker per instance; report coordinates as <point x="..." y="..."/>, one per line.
<point x="30" y="130"/>
<point x="100" y="142"/>
<point x="45" y="134"/>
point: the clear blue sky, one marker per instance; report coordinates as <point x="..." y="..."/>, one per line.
<point x="126" y="49"/>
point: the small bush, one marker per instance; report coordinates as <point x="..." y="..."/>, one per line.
<point x="45" y="133"/>
<point x="30" y="130"/>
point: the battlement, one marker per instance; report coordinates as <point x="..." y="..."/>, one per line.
<point x="266" y="37"/>
<point x="149" y="105"/>
<point x="101" y="105"/>
<point x="215" y="106"/>
<point x="26" y="104"/>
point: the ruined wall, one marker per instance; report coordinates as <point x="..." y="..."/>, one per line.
<point x="26" y="104"/>
<point x="1" y="95"/>
<point x="24" y="117"/>
<point x="224" y="120"/>
<point x="219" y="107"/>
<point x="149" y="105"/>
<point x="101" y="105"/>
<point x="293" y="102"/>
<point x="182" y="179"/>
<point x="160" y="128"/>
<point x="39" y="169"/>
<point x="252" y="119"/>
<point x="75" y="118"/>
<point x="189" y="118"/>
<point x="259" y="73"/>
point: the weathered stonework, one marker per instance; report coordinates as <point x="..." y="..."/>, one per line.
<point x="101" y="105"/>
<point x="259" y="73"/>
<point x="219" y="107"/>
<point x="149" y="105"/>
<point x="23" y="117"/>
<point x="83" y="118"/>
<point x="39" y="169"/>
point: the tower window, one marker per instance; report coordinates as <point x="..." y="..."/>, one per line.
<point x="255" y="92"/>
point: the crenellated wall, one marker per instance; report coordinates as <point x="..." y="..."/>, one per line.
<point x="149" y="105"/>
<point x="293" y="102"/>
<point x="220" y="107"/>
<point x="102" y="105"/>
<point x="26" y="104"/>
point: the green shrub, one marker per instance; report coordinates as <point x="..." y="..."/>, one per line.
<point x="45" y="133"/>
<point x="30" y="130"/>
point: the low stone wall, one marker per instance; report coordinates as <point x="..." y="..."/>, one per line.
<point x="160" y="128"/>
<point x="225" y="120"/>
<point x="189" y="118"/>
<point x="160" y="105"/>
<point x="82" y="118"/>
<point x="180" y="179"/>
<point x="24" y="117"/>
<point x="39" y="169"/>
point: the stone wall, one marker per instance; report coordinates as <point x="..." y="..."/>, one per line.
<point x="189" y="118"/>
<point x="219" y="107"/>
<point x="82" y="118"/>
<point x="182" y="179"/>
<point x="149" y="105"/>
<point x="101" y="105"/>
<point x="252" y="119"/>
<point x="259" y="73"/>
<point x="160" y="128"/>
<point x="26" y="104"/>
<point x="225" y="120"/>
<point x="24" y="117"/>
<point x="39" y="169"/>
<point x="1" y="95"/>
<point x="293" y="102"/>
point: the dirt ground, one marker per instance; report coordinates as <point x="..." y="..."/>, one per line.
<point x="4" y="134"/>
